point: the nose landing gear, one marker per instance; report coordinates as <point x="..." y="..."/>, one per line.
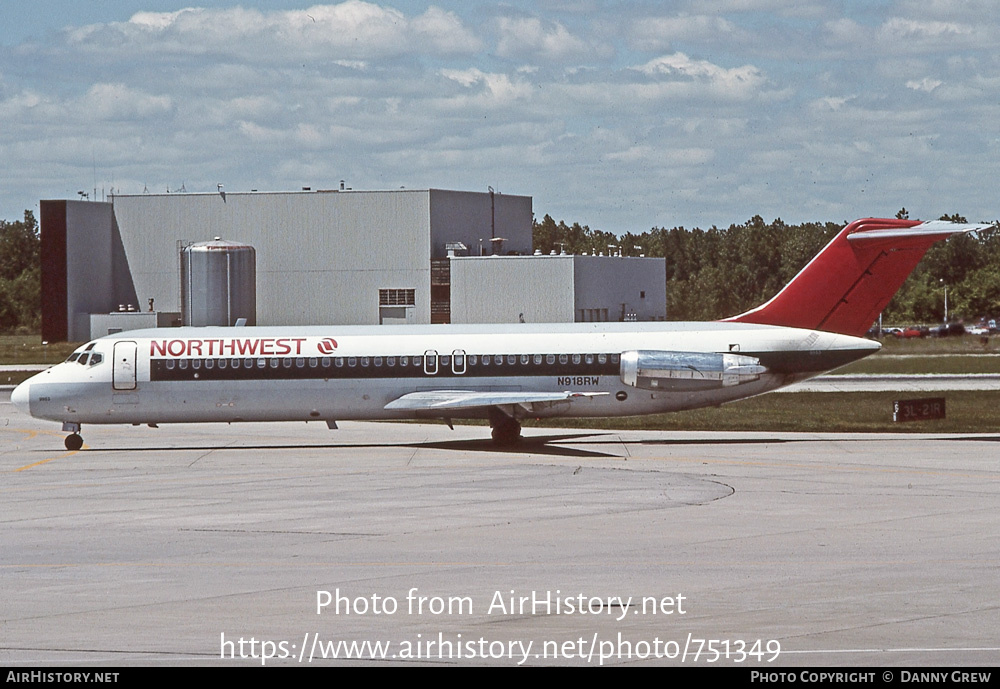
<point x="74" y="441"/>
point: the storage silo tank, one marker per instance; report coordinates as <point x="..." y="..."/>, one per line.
<point x="218" y="283"/>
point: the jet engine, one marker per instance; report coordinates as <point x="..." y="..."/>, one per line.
<point x="687" y="371"/>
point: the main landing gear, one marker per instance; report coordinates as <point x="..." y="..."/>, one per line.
<point x="506" y="429"/>
<point x="74" y="441"/>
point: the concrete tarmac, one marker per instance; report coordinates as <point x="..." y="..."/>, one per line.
<point x="214" y="544"/>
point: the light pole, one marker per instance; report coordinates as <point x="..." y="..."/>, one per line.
<point x="945" y="300"/>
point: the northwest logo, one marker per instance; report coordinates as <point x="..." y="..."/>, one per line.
<point x="327" y="345"/>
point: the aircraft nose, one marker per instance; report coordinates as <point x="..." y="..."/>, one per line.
<point x="19" y="398"/>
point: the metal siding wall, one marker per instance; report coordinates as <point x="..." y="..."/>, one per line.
<point x="465" y="216"/>
<point x="605" y="282"/>
<point x="497" y="289"/>
<point x="89" y="265"/>
<point x="314" y="266"/>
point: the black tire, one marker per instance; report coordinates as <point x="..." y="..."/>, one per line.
<point x="74" y="442"/>
<point x="507" y="433"/>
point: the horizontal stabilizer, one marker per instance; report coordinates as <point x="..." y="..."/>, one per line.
<point x="445" y="400"/>
<point x="845" y="287"/>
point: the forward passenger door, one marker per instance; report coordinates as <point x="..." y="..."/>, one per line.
<point x="123" y="366"/>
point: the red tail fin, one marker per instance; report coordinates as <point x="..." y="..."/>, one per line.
<point x="845" y="287"/>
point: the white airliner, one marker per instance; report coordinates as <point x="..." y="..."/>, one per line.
<point x="501" y="372"/>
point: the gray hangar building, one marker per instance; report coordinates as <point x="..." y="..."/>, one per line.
<point x="329" y="257"/>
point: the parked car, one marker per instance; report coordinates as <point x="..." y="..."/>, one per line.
<point x="948" y="329"/>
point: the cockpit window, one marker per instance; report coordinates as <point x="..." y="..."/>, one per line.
<point x="96" y="358"/>
<point x="82" y="356"/>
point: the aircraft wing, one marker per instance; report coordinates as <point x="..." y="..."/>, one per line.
<point x="449" y="400"/>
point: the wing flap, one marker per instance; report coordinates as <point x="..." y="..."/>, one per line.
<point x="448" y="400"/>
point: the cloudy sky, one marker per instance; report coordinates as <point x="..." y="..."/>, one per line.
<point x="619" y="115"/>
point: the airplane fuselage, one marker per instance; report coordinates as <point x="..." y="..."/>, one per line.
<point x="335" y="373"/>
<point x="503" y="373"/>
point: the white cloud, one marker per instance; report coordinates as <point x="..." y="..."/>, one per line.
<point x="444" y="32"/>
<point x="974" y="11"/>
<point x="914" y="35"/>
<point x="736" y="82"/>
<point x="542" y="103"/>
<point x="926" y="84"/>
<point x="654" y="155"/>
<point x="352" y="30"/>
<point x="20" y="104"/>
<point x="493" y="89"/>
<point x="527" y="38"/>
<point x="118" y="101"/>
<point x="846" y="31"/>
<point x="659" y="33"/>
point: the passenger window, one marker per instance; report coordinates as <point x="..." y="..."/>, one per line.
<point x="524" y="359"/>
<point x="378" y="361"/>
<point x="576" y="358"/>
<point x="170" y="364"/>
<point x="300" y="363"/>
<point x="511" y="359"/>
<point x="538" y="359"/>
<point x="313" y="362"/>
<point x="563" y="358"/>
<point x="209" y="363"/>
<point x="390" y="361"/>
<point x="182" y="364"/>
<point x="589" y="359"/>
<point x="550" y="358"/>
<point x="602" y="358"/>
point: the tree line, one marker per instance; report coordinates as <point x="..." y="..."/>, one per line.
<point x="20" y="275"/>
<point x="710" y="273"/>
<point x="716" y="273"/>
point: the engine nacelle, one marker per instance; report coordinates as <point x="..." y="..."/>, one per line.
<point x="687" y="371"/>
